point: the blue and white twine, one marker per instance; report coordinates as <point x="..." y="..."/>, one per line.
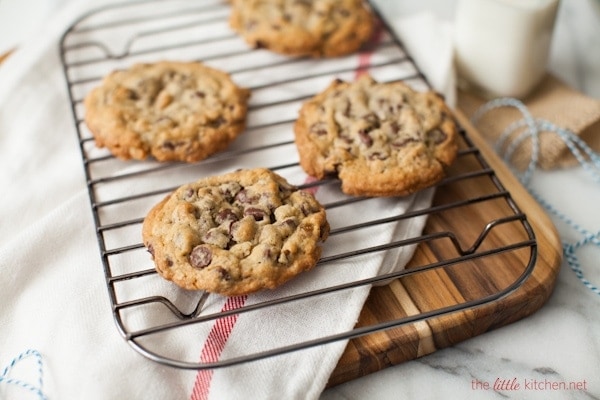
<point x="589" y="160"/>
<point x="37" y="389"/>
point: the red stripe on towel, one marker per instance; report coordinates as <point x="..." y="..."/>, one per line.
<point x="311" y="190"/>
<point x="214" y="345"/>
<point x="221" y="330"/>
<point x="364" y="58"/>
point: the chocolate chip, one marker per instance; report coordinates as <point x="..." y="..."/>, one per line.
<point x="348" y="110"/>
<point x="371" y="118"/>
<point x="200" y="94"/>
<point x="395" y="127"/>
<point x="346" y="139"/>
<point x="306" y="207"/>
<point x="267" y="253"/>
<point x="189" y="194"/>
<point x="363" y="134"/>
<point x="200" y="257"/>
<point x="291" y="222"/>
<point x="234" y="225"/>
<point x="395" y="108"/>
<point x="436" y="136"/>
<point x="257" y="213"/>
<point x="403" y="142"/>
<point x="197" y="213"/>
<point x="224" y="215"/>
<point x="377" y="156"/>
<point x="285" y="190"/>
<point x="228" y="191"/>
<point x="169" y="145"/>
<point x="319" y="129"/>
<point x="164" y="120"/>
<point x="217" y="122"/>
<point x="284" y="256"/>
<point x="150" y="249"/>
<point x="243" y="197"/>
<point x="132" y="95"/>
<point x="224" y="274"/>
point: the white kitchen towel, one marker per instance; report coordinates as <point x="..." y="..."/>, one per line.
<point x="52" y="285"/>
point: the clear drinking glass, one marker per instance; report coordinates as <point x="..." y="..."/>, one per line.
<point x="502" y="46"/>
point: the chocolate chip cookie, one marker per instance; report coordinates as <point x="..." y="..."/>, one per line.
<point x="236" y="233"/>
<point x="172" y="111"/>
<point x="380" y="139"/>
<point x="317" y="28"/>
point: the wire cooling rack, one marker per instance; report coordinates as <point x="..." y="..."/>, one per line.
<point x="150" y="313"/>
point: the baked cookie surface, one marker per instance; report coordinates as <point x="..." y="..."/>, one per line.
<point x="172" y="111"/>
<point x="236" y="233"/>
<point x="317" y="28"/>
<point x="380" y="139"/>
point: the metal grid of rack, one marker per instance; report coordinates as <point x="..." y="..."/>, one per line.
<point x="150" y="312"/>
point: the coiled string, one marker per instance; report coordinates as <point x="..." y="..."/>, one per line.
<point x="589" y="160"/>
<point x="36" y="390"/>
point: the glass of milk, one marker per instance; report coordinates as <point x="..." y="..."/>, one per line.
<point x="502" y="46"/>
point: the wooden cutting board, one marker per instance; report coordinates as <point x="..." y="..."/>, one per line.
<point x="426" y="292"/>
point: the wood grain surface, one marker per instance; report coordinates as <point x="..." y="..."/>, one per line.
<point x="484" y="274"/>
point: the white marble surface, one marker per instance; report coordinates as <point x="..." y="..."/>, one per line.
<point x="561" y="342"/>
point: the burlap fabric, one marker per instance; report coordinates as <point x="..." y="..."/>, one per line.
<point x="554" y="101"/>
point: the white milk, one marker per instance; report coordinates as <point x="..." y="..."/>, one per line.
<point x="502" y="46"/>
